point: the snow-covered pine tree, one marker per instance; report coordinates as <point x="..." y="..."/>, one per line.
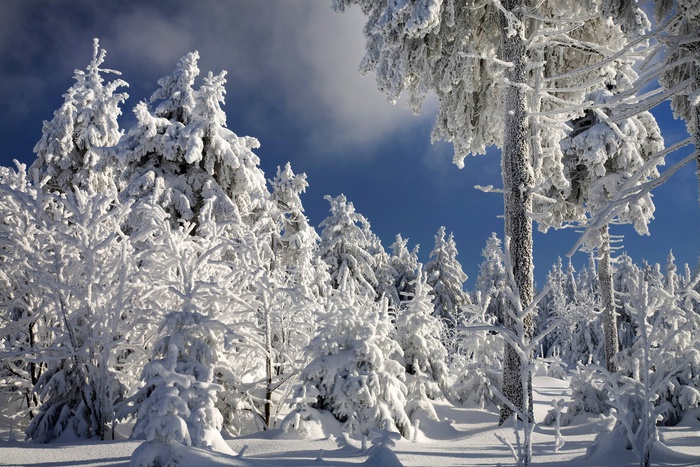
<point x="87" y="119"/>
<point x="446" y="280"/>
<point x="505" y="74"/>
<point x="180" y="154"/>
<point x="681" y="75"/>
<point x="348" y="250"/>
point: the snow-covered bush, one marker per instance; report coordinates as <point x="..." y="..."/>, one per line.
<point x="589" y="395"/>
<point x="357" y="373"/>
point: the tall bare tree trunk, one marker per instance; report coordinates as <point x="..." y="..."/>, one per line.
<point x="605" y="279"/>
<point x="517" y="183"/>
<point x="268" y="365"/>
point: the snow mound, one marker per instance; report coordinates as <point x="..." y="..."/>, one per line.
<point x="382" y="456"/>
<point x="157" y="454"/>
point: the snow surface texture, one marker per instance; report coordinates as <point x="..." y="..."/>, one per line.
<point x="463" y="437"/>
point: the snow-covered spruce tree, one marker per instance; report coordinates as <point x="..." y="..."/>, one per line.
<point x="346" y="247"/>
<point x="446" y="279"/>
<point x="180" y="153"/>
<point x="85" y="273"/>
<point x="476" y="357"/>
<point x="491" y="280"/>
<point x="505" y="73"/>
<point x="551" y="305"/>
<point x="572" y="303"/>
<point x="405" y="264"/>
<point x="418" y="333"/>
<point x="590" y="338"/>
<point x="386" y="275"/>
<point x="297" y="252"/>
<point x="87" y="119"/>
<point x="177" y="400"/>
<point x="354" y="373"/>
<point x="602" y="156"/>
<point x="580" y="321"/>
<point x="624" y="267"/>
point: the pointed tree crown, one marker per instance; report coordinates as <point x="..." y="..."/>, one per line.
<point x="86" y="119"/>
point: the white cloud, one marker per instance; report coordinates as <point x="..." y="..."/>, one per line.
<point x="149" y="38"/>
<point x="342" y="108"/>
<point x="300" y="54"/>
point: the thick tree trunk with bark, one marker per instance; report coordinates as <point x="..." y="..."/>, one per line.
<point x="605" y="278"/>
<point x="695" y="115"/>
<point x="517" y="183"/>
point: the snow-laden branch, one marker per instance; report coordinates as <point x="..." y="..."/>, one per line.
<point x="488" y="189"/>
<point x="487" y="58"/>
<point x="653" y="98"/>
<point x="632" y="45"/>
<point x="643" y="80"/>
<point x="609" y="212"/>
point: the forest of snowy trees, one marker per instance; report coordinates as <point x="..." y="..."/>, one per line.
<point x="155" y="276"/>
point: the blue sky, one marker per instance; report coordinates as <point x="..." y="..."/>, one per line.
<point x="293" y="84"/>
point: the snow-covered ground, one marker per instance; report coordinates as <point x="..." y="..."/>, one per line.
<point x="464" y="437"/>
